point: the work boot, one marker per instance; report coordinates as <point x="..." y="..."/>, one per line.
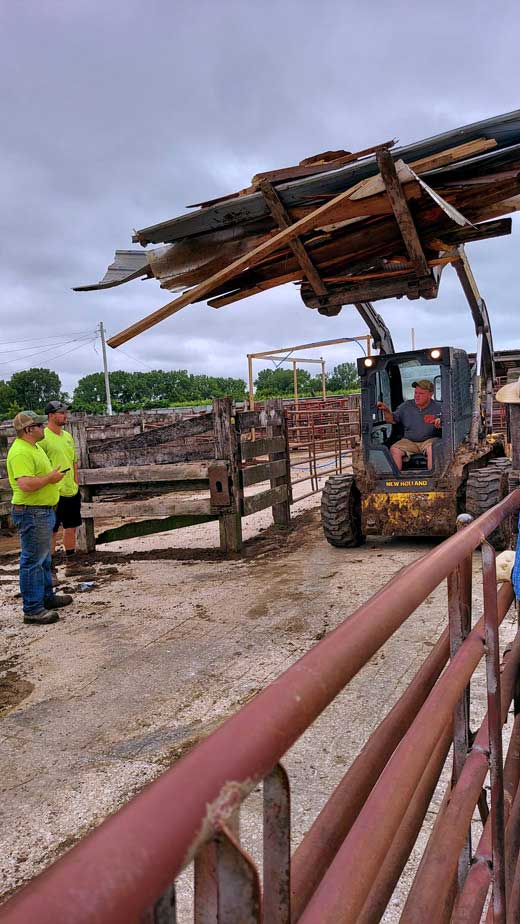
<point x="57" y="601"/>
<point x="42" y="617"/>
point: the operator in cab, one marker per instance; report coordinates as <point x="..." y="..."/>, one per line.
<point x="421" y="419"/>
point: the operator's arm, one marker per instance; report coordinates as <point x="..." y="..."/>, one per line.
<point x="30" y="483"/>
<point x="387" y="413"/>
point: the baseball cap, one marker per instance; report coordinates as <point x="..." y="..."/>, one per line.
<point x="27" y="419"/>
<point x="421" y="383"/>
<point x="53" y="406"/>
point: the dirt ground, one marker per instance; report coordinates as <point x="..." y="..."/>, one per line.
<point x="166" y="645"/>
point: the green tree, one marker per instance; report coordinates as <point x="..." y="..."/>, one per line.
<point x="343" y="378"/>
<point x="33" y="388"/>
<point x="8" y="404"/>
<point x="272" y="382"/>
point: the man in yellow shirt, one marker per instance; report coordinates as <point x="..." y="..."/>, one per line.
<point x="60" y="448"/>
<point x="35" y="494"/>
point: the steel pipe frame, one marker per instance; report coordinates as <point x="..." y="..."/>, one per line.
<point x="340" y="897"/>
<point x="321" y="843"/>
<point x="470" y="904"/>
<point x="431" y="886"/>
<point x="119" y="870"/>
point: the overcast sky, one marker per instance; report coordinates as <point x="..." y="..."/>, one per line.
<point x="118" y="114"/>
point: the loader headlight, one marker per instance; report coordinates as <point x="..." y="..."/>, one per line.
<point x="435" y="354"/>
<point x="368" y="361"/>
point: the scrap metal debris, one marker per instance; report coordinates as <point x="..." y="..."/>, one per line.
<point x="347" y="228"/>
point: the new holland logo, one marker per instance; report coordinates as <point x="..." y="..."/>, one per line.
<point x="415" y="483"/>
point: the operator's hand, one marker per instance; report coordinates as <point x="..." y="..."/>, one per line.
<point x="381" y="406"/>
<point x="55" y="476"/>
<point x="437" y="423"/>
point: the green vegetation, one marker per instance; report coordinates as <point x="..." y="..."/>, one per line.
<point x="33" y="388"/>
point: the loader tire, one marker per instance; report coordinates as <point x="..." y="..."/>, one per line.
<point x="341" y="512"/>
<point x="485" y="487"/>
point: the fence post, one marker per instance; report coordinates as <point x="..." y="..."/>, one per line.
<point x="282" y="511"/>
<point x="227" y="447"/>
<point x="86" y="534"/>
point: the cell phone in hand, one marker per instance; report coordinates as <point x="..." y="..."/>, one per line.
<point x="63" y="470"/>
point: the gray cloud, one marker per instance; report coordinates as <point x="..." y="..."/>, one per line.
<point x="118" y="115"/>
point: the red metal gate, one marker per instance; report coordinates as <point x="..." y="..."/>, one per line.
<point x="349" y="862"/>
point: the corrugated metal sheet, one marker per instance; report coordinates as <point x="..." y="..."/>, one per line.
<point x="127" y="265"/>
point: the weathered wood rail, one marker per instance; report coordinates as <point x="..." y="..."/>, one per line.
<point x="187" y="472"/>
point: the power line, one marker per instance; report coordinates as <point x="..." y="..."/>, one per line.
<point x="56" y="355"/>
<point x="56" y="337"/>
<point x="81" y="340"/>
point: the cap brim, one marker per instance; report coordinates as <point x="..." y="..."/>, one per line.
<point x="509" y="394"/>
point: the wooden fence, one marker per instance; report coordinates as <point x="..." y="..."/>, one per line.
<point x="210" y="459"/>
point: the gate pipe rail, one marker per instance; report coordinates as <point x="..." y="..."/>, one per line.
<point x="118" y="871"/>
<point x="431" y="886"/>
<point x="340" y="897"/>
<point x="470" y="904"/>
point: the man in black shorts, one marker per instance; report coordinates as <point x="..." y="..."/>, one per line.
<point x="60" y="448"/>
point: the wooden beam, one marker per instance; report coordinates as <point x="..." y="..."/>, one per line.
<point x="362" y="292"/>
<point x="402" y="213"/>
<point x="256" y="502"/>
<point x="159" y="507"/>
<point x="128" y="474"/>
<point x="249" y="259"/>
<point x="255" y="474"/>
<point x="284" y="220"/>
<point x="254" y="449"/>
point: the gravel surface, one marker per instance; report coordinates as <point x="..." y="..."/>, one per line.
<point x="166" y="645"/>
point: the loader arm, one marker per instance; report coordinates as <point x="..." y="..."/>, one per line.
<point x="381" y="336"/>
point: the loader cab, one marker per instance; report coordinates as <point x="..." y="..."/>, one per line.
<point x="388" y="378"/>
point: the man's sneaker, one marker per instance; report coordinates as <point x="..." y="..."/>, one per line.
<point x="57" y="601"/>
<point x="42" y="618"/>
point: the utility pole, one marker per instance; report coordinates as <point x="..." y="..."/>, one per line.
<point x="105" y="368"/>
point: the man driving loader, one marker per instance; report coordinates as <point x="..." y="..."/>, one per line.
<point x="420" y="418"/>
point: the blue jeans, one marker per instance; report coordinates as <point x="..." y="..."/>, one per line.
<point x="35" y="527"/>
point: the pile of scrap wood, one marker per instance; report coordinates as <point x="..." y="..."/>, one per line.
<point x="348" y="227"/>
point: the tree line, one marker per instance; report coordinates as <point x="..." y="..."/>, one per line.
<point x="33" y="388"/>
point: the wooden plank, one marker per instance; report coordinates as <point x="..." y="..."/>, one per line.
<point x="123" y="474"/>
<point x="264" y="499"/>
<point x="159" y="507"/>
<point x="255" y="448"/>
<point x="149" y="456"/>
<point x="284" y="220"/>
<point x="263" y="472"/>
<point x="459" y="152"/>
<point x="249" y="259"/>
<point x="227" y="448"/>
<point x="150" y="489"/>
<point x="86" y="538"/>
<point x="296" y="172"/>
<point x="181" y="429"/>
<point x="148" y="527"/>
<point x="247" y="420"/>
<point x="281" y="511"/>
<point x="402" y="213"/>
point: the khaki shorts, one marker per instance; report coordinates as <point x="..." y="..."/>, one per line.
<point x="409" y="447"/>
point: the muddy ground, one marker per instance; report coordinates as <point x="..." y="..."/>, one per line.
<point x="167" y="644"/>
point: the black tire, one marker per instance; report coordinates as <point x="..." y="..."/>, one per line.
<point x="341" y="512"/>
<point x="485" y="487"/>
